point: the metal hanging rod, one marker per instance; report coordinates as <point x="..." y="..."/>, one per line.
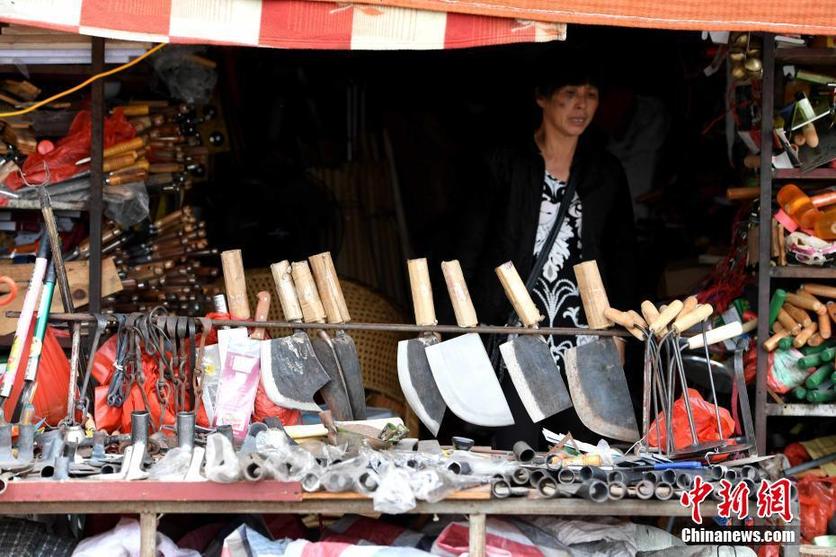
<point x="390" y="327"/>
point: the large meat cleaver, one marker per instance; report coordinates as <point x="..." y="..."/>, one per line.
<point x="334" y="392"/>
<point x="290" y="371"/>
<point x="336" y="311"/>
<point x="461" y="366"/>
<point x="414" y="374"/>
<point x="528" y="358"/>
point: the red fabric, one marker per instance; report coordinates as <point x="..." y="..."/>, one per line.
<point x="61" y="161"/>
<point x="817" y="497"/>
<point x="796" y="454"/>
<point x="455" y="539"/>
<point x="50" y="398"/>
<point x="705" y="423"/>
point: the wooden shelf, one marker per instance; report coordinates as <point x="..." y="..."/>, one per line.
<point x="796" y="174"/>
<point x="811" y="410"/>
<point x="808" y="56"/>
<point x="803" y="271"/>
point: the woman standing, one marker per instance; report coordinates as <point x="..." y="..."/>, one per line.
<point x="510" y="219"/>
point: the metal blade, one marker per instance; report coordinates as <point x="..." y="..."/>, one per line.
<point x="291" y="373"/>
<point x="538" y="381"/>
<point x="467" y="382"/>
<point x="350" y="363"/>
<point x="599" y="390"/>
<point x="334" y="392"/>
<point x="417" y="382"/>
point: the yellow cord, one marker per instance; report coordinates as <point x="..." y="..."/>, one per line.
<point x="55" y="97"/>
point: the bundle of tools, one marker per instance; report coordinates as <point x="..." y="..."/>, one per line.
<point x="160" y="264"/>
<point x="802" y="347"/>
<point x="662" y="331"/>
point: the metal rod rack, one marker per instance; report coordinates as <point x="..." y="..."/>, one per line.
<point x="389" y="327"/>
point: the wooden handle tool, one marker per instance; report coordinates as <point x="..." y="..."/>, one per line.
<point x="789" y="324"/>
<point x="687" y="320"/>
<point x="805" y="334"/>
<point x="286" y="291"/>
<point x="262" y="311"/>
<point x="798" y="314"/>
<point x="329" y="288"/>
<point x="593" y="294"/>
<point x="459" y="295"/>
<point x="714" y="336"/>
<point x="235" y="283"/>
<point x="819" y="290"/>
<point x="689" y="305"/>
<point x="772" y="342"/>
<point x="312" y="310"/>
<point x="518" y="294"/>
<point x="805" y="300"/>
<point x="824" y="326"/>
<point x="125" y="146"/>
<point x="666" y="316"/>
<point x="422" y="294"/>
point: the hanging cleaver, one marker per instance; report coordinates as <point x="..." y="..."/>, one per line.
<point x="528" y="358"/>
<point x="414" y="374"/>
<point x="336" y="312"/>
<point x="461" y="366"/>
<point x="290" y="371"/>
<point x="334" y="392"/>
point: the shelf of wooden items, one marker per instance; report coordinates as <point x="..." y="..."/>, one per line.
<point x="803" y="272"/>
<point x="812" y="410"/>
<point x="806" y="56"/>
<point x="824" y="173"/>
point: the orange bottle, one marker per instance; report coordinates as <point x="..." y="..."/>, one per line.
<point x="798" y="205"/>
<point x="826" y="226"/>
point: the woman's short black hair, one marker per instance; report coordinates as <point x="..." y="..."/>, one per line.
<point x="557" y="67"/>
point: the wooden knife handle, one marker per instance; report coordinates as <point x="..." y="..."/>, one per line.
<point x="825" y="330"/>
<point x="638" y="319"/>
<point x="819" y="290"/>
<point x="622" y="318"/>
<point x="649" y="311"/>
<point x="119" y="161"/>
<point x="459" y="295"/>
<point x="312" y="310"/>
<point x="689" y="305"/>
<point x="422" y="293"/>
<point x="125" y="146"/>
<point x="666" y="316"/>
<point x="286" y="291"/>
<point x="804" y="299"/>
<point x="798" y="314"/>
<point x="593" y="294"/>
<point x="697" y="315"/>
<point x="236" y="284"/>
<point x="714" y="336"/>
<point x="165" y="167"/>
<point x="135" y="109"/>
<point x="329" y="288"/>
<point x="262" y="310"/>
<point x="518" y="294"/>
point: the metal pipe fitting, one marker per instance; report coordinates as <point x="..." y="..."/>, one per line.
<point x="684" y="481"/>
<point x="140" y="423"/>
<point x="753" y="488"/>
<point x="750" y="473"/>
<point x="521" y="476"/>
<point x="536" y="475"/>
<point x="731" y="475"/>
<point x="500" y="489"/>
<point x="616" y="476"/>
<point x="26" y="443"/>
<point x="98" y="455"/>
<point x="660" y="476"/>
<point x="523" y="451"/>
<point x="185" y="430"/>
<point x="6" y="456"/>
<point x="663" y="491"/>
<point x="645" y="489"/>
<point x="311" y="483"/>
<point x="594" y="490"/>
<point x="566" y="476"/>
<point x="716" y="472"/>
<point x="62" y="468"/>
<point x="554" y="462"/>
<point x="458" y="467"/>
<point x="367" y="482"/>
<point x="547" y="487"/>
<point x="107" y="469"/>
<point x="336" y="482"/>
<point x="252" y="467"/>
<point x="592" y="472"/>
<point x="616" y="491"/>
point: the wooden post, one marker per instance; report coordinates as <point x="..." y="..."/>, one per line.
<point x="148" y="534"/>
<point x="477" y="535"/>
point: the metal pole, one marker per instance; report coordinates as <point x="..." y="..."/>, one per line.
<point x="96" y="178"/>
<point x="764" y="236"/>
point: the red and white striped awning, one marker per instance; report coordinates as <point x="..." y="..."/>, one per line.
<point x="291" y="24"/>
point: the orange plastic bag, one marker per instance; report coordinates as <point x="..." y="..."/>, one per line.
<point x="817" y="497"/>
<point x="705" y="423"/>
<point x="50" y="398"/>
<point x="75" y="146"/>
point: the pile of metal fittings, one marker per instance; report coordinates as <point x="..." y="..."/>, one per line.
<point x="648" y="477"/>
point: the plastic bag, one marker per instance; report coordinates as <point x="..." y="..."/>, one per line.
<point x="394" y="494"/>
<point x="221" y="461"/>
<point x="186" y="79"/>
<point x="127" y="204"/>
<point x="264" y="408"/>
<point x="817" y="498"/>
<point x="796" y="453"/>
<point x="784" y="375"/>
<point x="705" y="423"/>
<point x="61" y="161"/>
<point x="50" y="398"/>
<point x="237" y="385"/>
<point x="173" y="466"/>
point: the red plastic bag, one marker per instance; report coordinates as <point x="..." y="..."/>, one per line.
<point x="796" y="454"/>
<point x="705" y="422"/>
<point x="50" y="398"/>
<point x="264" y="408"/>
<point x="75" y="146"/>
<point x="817" y="497"/>
<point x="771" y="550"/>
